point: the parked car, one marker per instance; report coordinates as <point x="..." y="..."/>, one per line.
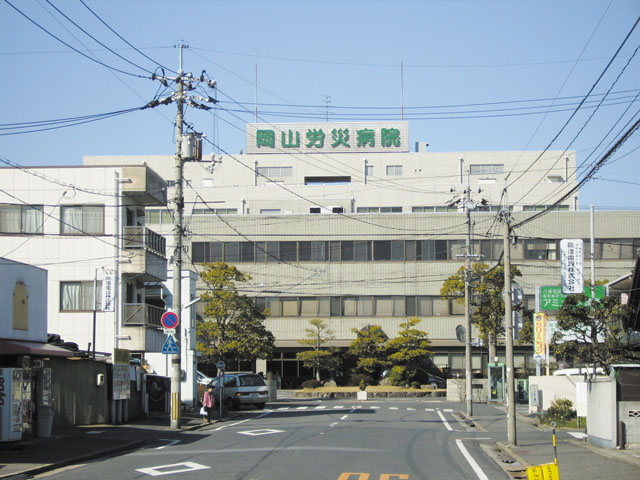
<point x="241" y="388"/>
<point x="203" y="379"/>
<point x="437" y="382"/>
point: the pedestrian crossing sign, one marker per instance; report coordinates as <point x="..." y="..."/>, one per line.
<point x="170" y="346"/>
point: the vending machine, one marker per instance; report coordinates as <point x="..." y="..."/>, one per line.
<point x="11" y="395"/>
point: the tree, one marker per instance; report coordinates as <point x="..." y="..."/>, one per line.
<point x="591" y="332"/>
<point x="370" y="349"/>
<point x="410" y="349"/>
<point x="486" y="285"/>
<point x="316" y="337"/>
<point x="233" y="327"/>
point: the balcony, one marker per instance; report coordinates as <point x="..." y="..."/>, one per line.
<point x="144" y="186"/>
<point x="142" y="314"/>
<point x="142" y="237"/>
<point x="146" y="252"/>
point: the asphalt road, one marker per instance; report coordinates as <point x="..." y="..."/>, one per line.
<point x="390" y="439"/>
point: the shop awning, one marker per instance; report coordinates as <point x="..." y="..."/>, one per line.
<point x="21" y="347"/>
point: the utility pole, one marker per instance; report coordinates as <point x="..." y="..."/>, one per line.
<point x="185" y="83"/>
<point x="177" y="251"/>
<point x="468" y="206"/>
<point x="508" y="318"/>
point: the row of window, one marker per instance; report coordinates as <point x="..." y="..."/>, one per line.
<point x="394" y="250"/>
<point x="363" y="306"/>
<point x="74" y="219"/>
<point x="340" y="251"/>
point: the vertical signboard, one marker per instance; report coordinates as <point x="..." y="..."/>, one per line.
<point x="571" y="256"/>
<point x="108" y="294"/>
<point x="539" y="334"/>
<point x="121" y="374"/>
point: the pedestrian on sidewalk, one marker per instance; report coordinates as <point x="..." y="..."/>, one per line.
<point x="207" y="403"/>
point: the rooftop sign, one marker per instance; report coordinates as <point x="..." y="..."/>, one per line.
<point x="328" y="137"/>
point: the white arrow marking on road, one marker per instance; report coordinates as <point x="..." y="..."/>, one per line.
<point x="444" y="420"/>
<point x="174" y="468"/>
<point x="476" y="468"/>
<point x="171" y="443"/>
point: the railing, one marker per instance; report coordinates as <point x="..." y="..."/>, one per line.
<point x="142" y="314"/>
<point x="142" y="237"/>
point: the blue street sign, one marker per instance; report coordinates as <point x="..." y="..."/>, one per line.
<point x="170" y="346"/>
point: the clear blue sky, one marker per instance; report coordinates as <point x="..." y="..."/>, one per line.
<point x="471" y="72"/>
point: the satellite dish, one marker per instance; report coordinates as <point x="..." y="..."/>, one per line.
<point x="461" y="334"/>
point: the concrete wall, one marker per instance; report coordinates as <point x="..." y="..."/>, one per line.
<point x="551" y="388"/>
<point x="457" y="392"/>
<point x="629" y="414"/>
<point x="602" y="413"/>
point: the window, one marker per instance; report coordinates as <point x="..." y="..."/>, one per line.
<point x="362" y="251"/>
<point x="349" y="306"/>
<point x="275" y="171"/>
<point x="288" y="251"/>
<point x="269" y="211"/>
<point x="379" y="210"/>
<point x="486" y="168"/>
<point x="315" y="210"/>
<point x="540" y="250"/>
<point x="382" y="250"/>
<point x="247" y="252"/>
<point x="231" y="252"/>
<point x="21" y="219"/>
<point x="79" y="296"/>
<point x="390" y="306"/>
<point x="290" y="307"/>
<point x="156" y="215"/>
<point x="82" y="220"/>
<point x="437" y="208"/>
<point x="308" y="307"/>
<point x="368" y="170"/>
<point x="214" y="211"/>
<point x="365" y="306"/>
<point x="346" y="249"/>
<point x="394" y="170"/>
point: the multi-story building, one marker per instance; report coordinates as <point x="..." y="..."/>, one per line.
<point x="86" y="226"/>
<point x="357" y="230"/>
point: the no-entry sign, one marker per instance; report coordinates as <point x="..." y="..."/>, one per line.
<point x="169" y="319"/>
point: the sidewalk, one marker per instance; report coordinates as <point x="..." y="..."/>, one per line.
<point x="577" y="459"/>
<point x="74" y="445"/>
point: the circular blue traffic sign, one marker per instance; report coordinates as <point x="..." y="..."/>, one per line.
<point x="169" y="319"/>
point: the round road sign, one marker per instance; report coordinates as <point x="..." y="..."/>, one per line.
<point x="169" y="319"/>
<point x="220" y="365"/>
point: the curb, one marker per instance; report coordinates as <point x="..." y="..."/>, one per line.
<point x="29" y="472"/>
<point x="513" y="455"/>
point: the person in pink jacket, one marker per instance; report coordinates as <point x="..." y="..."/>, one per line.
<point x="207" y="403"/>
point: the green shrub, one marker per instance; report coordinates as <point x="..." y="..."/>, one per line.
<point x="363" y="384"/>
<point x="313" y="383"/>
<point x="396" y="376"/>
<point x="356" y="379"/>
<point x="561" y="409"/>
<point x="415" y="385"/>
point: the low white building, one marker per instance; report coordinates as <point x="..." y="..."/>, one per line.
<point x="86" y="227"/>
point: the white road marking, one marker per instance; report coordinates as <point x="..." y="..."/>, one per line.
<point x="301" y="408"/>
<point x="353" y="409"/>
<point x="321" y="407"/>
<point x="411" y="409"/>
<point x="283" y="408"/>
<point x="171" y="443"/>
<point x="476" y="468"/>
<point x="338" y="407"/>
<point x="447" y="410"/>
<point x="232" y="424"/>
<point x="578" y="435"/>
<point x="444" y="420"/>
<point x="94" y="432"/>
<point x="257" y="433"/>
<point x="170" y="469"/>
<point x="429" y="409"/>
<point x="333" y="424"/>
<point x="343" y="417"/>
<point x="375" y="407"/>
<point x="393" y="408"/>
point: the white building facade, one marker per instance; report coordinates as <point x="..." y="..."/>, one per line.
<point x="86" y="227"/>
<point x="342" y="222"/>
